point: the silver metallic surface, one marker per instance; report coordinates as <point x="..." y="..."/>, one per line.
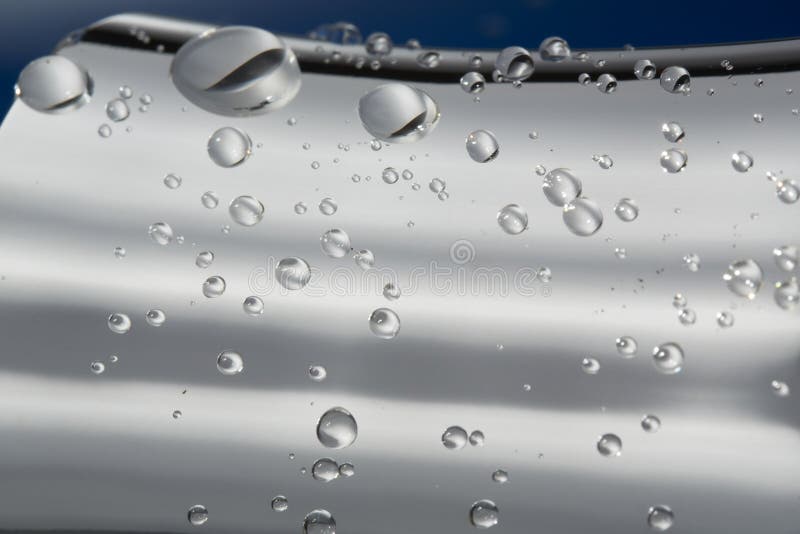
<point x="103" y="453"/>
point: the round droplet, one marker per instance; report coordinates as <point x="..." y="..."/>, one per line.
<point x="398" y="113"/>
<point x="97" y="368"/>
<point x="204" y="259"/>
<point x="155" y="317"/>
<point x="120" y="252"/>
<point x="606" y="83"/>
<point x="725" y="319"/>
<point x="781" y="389"/>
<point x="379" y="44"/>
<point x="604" y="161"/>
<point x="104" y="130"/>
<point x="675" y="80"/>
<point x="668" y="358"/>
<point x="482" y="146"/>
<point x="347" y="470"/>
<point x="787" y="294"/>
<point x="582" y="216"/>
<point x="437" y="185"/>
<point x="390" y="175"/>
<point x="673" y="160"/>
<point x="626" y="209"/>
<point x="328" y="206"/>
<point x="454" y="438"/>
<point x="554" y="49"/>
<point x="590" y="366"/>
<point x="335" y="243"/>
<point x="246" y="210"/>
<point x="512" y="219"/>
<point x="117" y="110"/>
<point x="337" y="428"/>
<point x="584" y="78"/>
<point x="236" y="71"/>
<point x="609" y="445"/>
<point x="473" y="82"/>
<point x="644" y="69"/>
<point x="319" y="522"/>
<point x="279" y="503"/>
<point x="500" y="476"/>
<point x="391" y="292"/>
<point x="561" y="187"/>
<point x="364" y="259"/>
<point x="293" y="273"/>
<point x="384" y="323"/>
<point x="317" y="373"/>
<point x="300" y="208"/>
<point x="53" y="84"/>
<point x="198" y="515"/>
<point x="253" y="306"/>
<point x="687" y="317"/>
<point x="651" y="423"/>
<point x="787" y="191"/>
<point x="214" y="286"/>
<point x="172" y="181"/>
<point x="119" y="323"/>
<point x="484" y="514"/>
<point x="325" y="470"/>
<point x="627" y="346"/>
<point x="177" y="414"/>
<point x="679" y="301"/>
<point x="514" y="64"/>
<point x="229" y="147"/>
<point x="230" y="363"/>
<point x="660" y="518"/>
<point x="744" y="278"/>
<point x="476" y="438"/>
<point x="209" y="199"/>
<point x="742" y="161"/>
<point x="160" y="233"/>
<point x="673" y="132"/>
<point x="786" y="257"/>
<point x="692" y="262"/>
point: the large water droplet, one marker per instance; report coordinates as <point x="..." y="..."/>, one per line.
<point x="398" y="113"/>
<point x="606" y="83"/>
<point x="246" y="210"/>
<point x="673" y="160"/>
<point x="337" y="428"/>
<point x="229" y="147"/>
<point x="214" y="286"/>
<point x="744" y="278"/>
<point x="53" y="84"/>
<point x="660" y="518"/>
<point x="454" y="438"/>
<point x="626" y="346"/>
<point x="482" y="146"/>
<point x="514" y="64"/>
<point x="675" y="80"/>
<point x="160" y="233"/>
<point x="197" y="515"/>
<point x="583" y="216"/>
<point x="484" y="514"/>
<point x="742" y="161"/>
<point x="117" y="110"/>
<point x="119" y="323"/>
<point x="335" y="243"/>
<point x="319" y="522"/>
<point x="384" y="323"/>
<point x="668" y="358"/>
<point x="609" y="445"/>
<point x="230" y="362"/>
<point x="236" y="71"/>
<point x="512" y="219"/>
<point x="325" y="470"/>
<point x="561" y="187"/>
<point x="626" y="209"/>
<point x="293" y="273"/>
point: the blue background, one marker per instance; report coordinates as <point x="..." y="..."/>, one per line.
<point x="30" y="28"/>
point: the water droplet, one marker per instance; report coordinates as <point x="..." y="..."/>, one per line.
<point x="454" y="438"/>
<point x="584" y="78"/>
<point x="300" y="208"/>
<point x="119" y="323"/>
<point x="484" y="514"/>
<point x="53" y="84"/>
<point x="744" y="278"/>
<point x="603" y="160"/>
<point x="325" y="470"/>
<point x="214" y="286"/>
<point x="155" y="317"/>
<point x="758" y="118"/>
<point x="337" y="428"/>
<point x="209" y="199"/>
<point x="644" y="69"/>
<point x="687" y="316"/>
<point x="429" y="60"/>
<point x="582" y="216"/>
<point x="500" y="476"/>
<point x="229" y="147"/>
<point x="177" y="414"/>
<point x="375" y="144"/>
<point x="787" y="294"/>
<point x="692" y="262"/>
<point x="590" y="366"/>
<point x="328" y="206"/>
<point x="786" y="257"/>
<point x="160" y="233"/>
<point x="561" y="187"/>
<point x="437" y="185"/>
<point x="675" y="80"/>
<point x="317" y="373"/>
<point x="473" y="82"/>
<point x="668" y="358"/>
<point x="335" y="243"/>
<point x="554" y="49"/>
<point x="482" y="146"/>
<point x="742" y="161"/>
<point x="514" y="64"/>
<point x="146" y="99"/>
<point x="319" y="522"/>
<point x="293" y="273"/>
<point x="379" y="44"/>
<point x="621" y="253"/>
<point x="781" y="389"/>
<point x="279" y="503"/>
<point x="391" y="291"/>
<point x="679" y="301"/>
<point x="725" y="319"/>
<point x="384" y="323"/>
<point x="120" y="252"/>
<point x="398" y="113"/>
<point x="236" y="71"/>
<point x="476" y="438"/>
<point x="609" y="445"/>
<point x="390" y="175"/>
<point x="651" y="423"/>
<point x="172" y="181"/>
<point x="606" y="83"/>
<point x="512" y="219"/>
<point x="204" y="259"/>
<point x="660" y="518"/>
<point x="117" y="110"/>
<point x="626" y="209"/>
<point x="787" y="191"/>
<point x="673" y="132"/>
<point x="253" y="306"/>
<point x="104" y="130"/>
<point x="97" y="367"/>
<point x="407" y="174"/>
<point x="544" y="274"/>
<point x="230" y="363"/>
<point x="673" y="160"/>
<point x="627" y="346"/>
<point x="125" y="91"/>
<point x="365" y="259"/>
<point x="198" y="515"/>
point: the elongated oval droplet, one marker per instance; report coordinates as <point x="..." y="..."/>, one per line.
<point x="561" y="187"/>
<point x="398" y="113"/>
<point x="583" y="216"/>
<point x="230" y="363"/>
<point x="53" y="84"/>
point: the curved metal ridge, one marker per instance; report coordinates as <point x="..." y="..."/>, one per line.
<point x="166" y="35"/>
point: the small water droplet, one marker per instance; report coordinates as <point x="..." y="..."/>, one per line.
<point x="787" y="191"/>
<point x="692" y="262"/>
<point x="660" y="518"/>
<point x="742" y="161"/>
<point x="484" y="514"/>
<point x="473" y="82"/>
<point x="214" y="286"/>
<point x="325" y="470"/>
<point x="609" y="445"/>
<point x="365" y="259"/>
<point x="97" y="367"/>
<point x="626" y="209"/>
<point x="293" y="273"/>
<point x="279" y="503"/>
<point x="246" y="210"/>
<point x="53" y="84"/>
<point x="604" y="161"/>
<point x="454" y="438"/>
<point x="590" y="366"/>
<point x="514" y="64"/>
<point x="204" y="259"/>
<point x="104" y="130"/>
<point x="673" y="132"/>
<point x="651" y="423"/>
<point x="117" y="110"/>
<point x="786" y="257"/>
<point x="679" y="301"/>
<point x="621" y="253"/>
<point x="378" y="44"/>
<point x="229" y="147"/>
<point x="146" y="99"/>
<point x="787" y="294"/>
<point x="437" y="185"/>
<point x="253" y="306"/>
<point x="687" y="316"/>
<point x="337" y="428"/>
<point x="384" y="323"/>
<point x="781" y="389"/>
<point x="744" y="278"/>
<point x="668" y="358"/>
<point x="429" y="60"/>
<point x="584" y="78"/>
<point x="644" y="69"/>
<point x="317" y="373"/>
<point x="583" y="216"/>
<point x="198" y="515"/>
<point x="626" y="346"/>
<point x="230" y="363"/>
<point x="209" y="199"/>
<point x="172" y="181"/>
<point x="512" y="219"/>
<point x="500" y="476"/>
<point x="120" y="252"/>
<point x="476" y="438"/>
<point x="177" y="414"/>
<point x="606" y="83"/>
<point x="155" y="317"/>
<point x="758" y="118"/>
<point x="554" y="49"/>
<point x="398" y="113"/>
<point x="675" y="80"/>
<point x="390" y="175"/>
<point x="328" y="206"/>
<point x="673" y="160"/>
<point x="482" y="146"/>
<point x="119" y="323"/>
<point x="391" y="292"/>
<point x="560" y="186"/>
<point x="335" y="243"/>
<point x="725" y="319"/>
<point x="300" y="208"/>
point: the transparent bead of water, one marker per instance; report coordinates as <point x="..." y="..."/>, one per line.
<point x="365" y="259"/>
<point x="246" y="210"/>
<point x="668" y="358"/>
<point x="606" y="83"/>
<point x="197" y="515"/>
<point x="407" y="174"/>
<point x="390" y="175"/>
<point x="53" y="84"/>
<point x="325" y="470"/>
<point x="477" y="438"/>
<point x="279" y="503"/>
<point x="484" y="514"/>
<point x="119" y="252"/>
<point x="787" y="294"/>
<point x="679" y="301"/>
<point x="375" y="144"/>
<point x="650" y="423"/>
<point x="473" y="82"/>
<point x="554" y="49"/>
<point x="437" y="185"/>
<point x="146" y="99"/>
<point x="384" y="323"/>
<point x="675" y="80"/>
<point x="540" y="170"/>
<point x="673" y="160"/>
<point x="561" y="187"/>
<point x="673" y="132"/>
<point x="230" y="363"/>
<point x="172" y="181"/>
<point x="97" y="368"/>
<point x="692" y="262"/>
<point x="584" y="78"/>
<point x="787" y="191"/>
<point x="236" y="71"/>
<point x="604" y="161"/>
<point x="379" y="44"/>
<point x="253" y="306"/>
<point x="781" y="389"/>
<point x="744" y="278"/>
<point x="293" y="273"/>
<point x="398" y="113"/>
<point x="317" y="373"/>
<point x="119" y="323"/>
<point x="544" y="274"/>
<point x="204" y="259"/>
<point x="644" y="69"/>
<point x="742" y="161"/>
<point x="319" y="522"/>
<point x="300" y="208"/>
<point x="337" y="428"/>
<point x="328" y="206"/>
<point x="758" y="118"/>
<point x="125" y="91"/>
<point x="583" y="216"/>
<point x="429" y="60"/>
<point x="500" y="476"/>
<point x="514" y="64"/>
<point x="335" y="243"/>
<point x="104" y="130"/>
<point x="209" y="199"/>
<point x="725" y="319"/>
<point x="482" y="146"/>
<point x="687" y="316"/>
<point x="214" y="286"/>
<point x="660" y="518"/>
<point x="117" y="110"/>
<point x="590" y="366"/>
<point x="391" y="292"/>
<point x="229" y="147"/>
<point x="155" y="317"/>
<point x="626" y="346"/>
<point x="512" y="219"/>
<point x="626" y="209"/>
<point x="786" y="257"/>
<point x="621" y="253"/>
<point x="609" y="445"/>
